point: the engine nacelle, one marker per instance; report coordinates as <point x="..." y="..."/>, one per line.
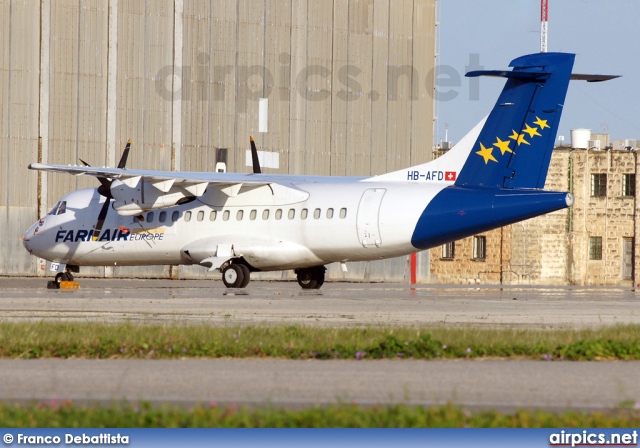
<point x="133" y="197"/>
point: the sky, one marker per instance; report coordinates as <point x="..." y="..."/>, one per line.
<point x="604" y="35"/>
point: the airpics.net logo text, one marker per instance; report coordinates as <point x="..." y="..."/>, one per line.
<point x="589" y="438"/>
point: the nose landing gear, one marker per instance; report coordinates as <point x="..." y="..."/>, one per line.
<point x="64" y="280"/>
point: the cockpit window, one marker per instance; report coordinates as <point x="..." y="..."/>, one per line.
<point x="62" y="208"/>
<point x="54" y="210"/>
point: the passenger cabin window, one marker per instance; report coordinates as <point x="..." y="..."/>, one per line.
<point x="253" y="215"/>
<point x="174" y="216"/>
<point x="343" y="213"/>
<point x="239" y="215"/>
<point x="292" y="213"/>
<point x="225" y="215"/>
<point x="162" y="217"/>
<point x="150" y="217"/>
<point x="187" y="216"/>
<point x="279" y="214"/>
<point x="316" y="213"/>
<point x="200" y="215"/>
<point x="329" y="213"/>
<point x="213" y="215"/>
<point x="265" y="214"/>
<point x="304" y="213"/>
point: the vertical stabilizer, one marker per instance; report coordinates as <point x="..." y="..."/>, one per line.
<point x="514" y="147"/>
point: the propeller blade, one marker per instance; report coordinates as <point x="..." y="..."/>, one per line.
<point x="254" y="158"/>
<point x="125" y="155"/>
<point x="84" y="163"/>
<point x="101" y="217"/>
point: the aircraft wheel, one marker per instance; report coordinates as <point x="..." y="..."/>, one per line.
<point x="62" y="277"/>
<point x="247" y="276"/>
<point x="319" y="276"/>
<point x="233" y="276"/>
<point x="307" y="278"/>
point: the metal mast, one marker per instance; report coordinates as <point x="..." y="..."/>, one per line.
<point x="544" y="25"/>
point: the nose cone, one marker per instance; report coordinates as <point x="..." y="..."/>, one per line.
<point x="31" y="234"/>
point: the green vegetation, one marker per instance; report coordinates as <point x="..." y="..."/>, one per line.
<point x="66" y="415"/>
<point x="131" y="340"/>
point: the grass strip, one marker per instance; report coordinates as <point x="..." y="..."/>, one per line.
<point x="131" y="340"/>
<point x="67" y="415"/>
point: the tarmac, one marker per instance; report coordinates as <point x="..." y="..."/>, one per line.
<point x="336" y="304"/>
<point x="494" y="384"/>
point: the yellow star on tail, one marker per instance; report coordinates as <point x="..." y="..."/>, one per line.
<point x="502" y="146"/>
<point x="518" y="138"/>
<point x="542" y="123"/>
<point x="531" y="131"/>
<point x="486" y="153"/>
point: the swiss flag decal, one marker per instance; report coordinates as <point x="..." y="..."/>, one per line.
<point x="450" y="175"/>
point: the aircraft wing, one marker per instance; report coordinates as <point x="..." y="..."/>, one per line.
<point x="176" y="178"/>
<point x="125" y="186"/>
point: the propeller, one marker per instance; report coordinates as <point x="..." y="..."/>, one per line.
<point x="105" y="190"/>
<point x="254" y="157"/>
<point x="105" y="183"/>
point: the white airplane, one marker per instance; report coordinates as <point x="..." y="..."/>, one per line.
<point x="242" y="223"/>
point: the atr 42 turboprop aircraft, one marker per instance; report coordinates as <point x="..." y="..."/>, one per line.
<point x="241" y="223"/>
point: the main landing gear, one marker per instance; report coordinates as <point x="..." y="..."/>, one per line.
<point x="311" y="278"/>
<point x="236" y="276"/>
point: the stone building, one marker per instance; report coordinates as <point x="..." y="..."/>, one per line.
<point x="591" y="243"/>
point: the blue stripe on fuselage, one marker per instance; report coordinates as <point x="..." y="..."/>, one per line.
<point x="459" y="212"/>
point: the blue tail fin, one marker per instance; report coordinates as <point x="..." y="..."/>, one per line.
<point x="515" y="145"/>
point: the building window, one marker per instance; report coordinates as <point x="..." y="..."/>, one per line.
<point x="479" y="247"/>
<point x="628" y="185"/>
<point x="599" y="185"/>
<point x="595" y="248"/>
<point x="448" y="251"/>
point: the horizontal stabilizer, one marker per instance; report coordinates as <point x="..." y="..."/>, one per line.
<point x="592" y="78"/>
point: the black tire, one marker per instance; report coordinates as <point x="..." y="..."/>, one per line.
<point x="52" y="284"/>
<point x="233" y="276"/>
<point x="247" y="276"/>
<point x="319" y="276"/>
<point x="307" y="278"/>
<point x="60" y="277"/>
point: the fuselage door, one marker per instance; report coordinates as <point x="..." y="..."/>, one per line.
<point x="367" y="221"/>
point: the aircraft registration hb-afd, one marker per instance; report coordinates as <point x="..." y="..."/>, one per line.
<point x="241" y="223"/>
